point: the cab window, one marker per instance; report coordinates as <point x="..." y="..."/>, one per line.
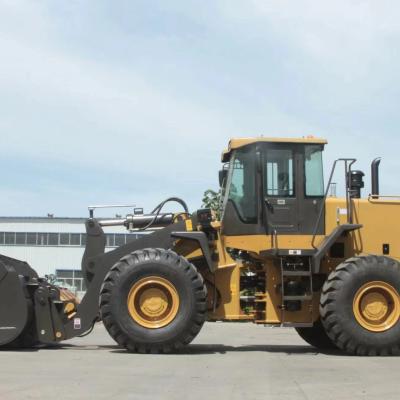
<point x="242" y="184"/>
<point x="314" y="177"/>
<point x="279" y="173"/>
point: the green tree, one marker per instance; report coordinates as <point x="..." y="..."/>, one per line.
<point x="212" y="199"/>
<point x="51" y="278"/>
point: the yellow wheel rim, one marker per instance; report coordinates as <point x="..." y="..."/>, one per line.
<point x="153" y="302"/>
<point x="376" y="306"/>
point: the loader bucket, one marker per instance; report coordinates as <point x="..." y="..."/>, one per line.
<point x="15" y="309"/>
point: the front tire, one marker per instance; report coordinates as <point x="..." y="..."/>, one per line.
<point x="153" y="301"/>
<point x="360" y="306"/>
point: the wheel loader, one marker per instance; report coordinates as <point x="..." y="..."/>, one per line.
<point x="281" y="252"/>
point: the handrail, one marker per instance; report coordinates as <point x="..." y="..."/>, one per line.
<point x="349" y="204"/>
<point x="375" y="197"/>
<point x="92" y="208"/>
<point x="384" y="199"/>
<point x="348" y="195"/>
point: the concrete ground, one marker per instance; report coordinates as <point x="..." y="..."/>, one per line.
<point x="226" y="361"/>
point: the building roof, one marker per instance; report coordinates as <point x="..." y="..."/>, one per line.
<point x="236" y="143"/>
<point x="48" y="220"/>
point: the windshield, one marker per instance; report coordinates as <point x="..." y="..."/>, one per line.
<point x="241" y="185"/>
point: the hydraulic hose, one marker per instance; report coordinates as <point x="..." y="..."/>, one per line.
<point x="158" y="209"/>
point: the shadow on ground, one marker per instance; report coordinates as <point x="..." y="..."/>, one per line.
<point x="222" y="349"/>
<point x="198" y="349"/>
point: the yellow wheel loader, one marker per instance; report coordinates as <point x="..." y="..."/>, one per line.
<point x="282" y="252"/>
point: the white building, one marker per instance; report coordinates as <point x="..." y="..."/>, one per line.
<point x="53" y="245"/>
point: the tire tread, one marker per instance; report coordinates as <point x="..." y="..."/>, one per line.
<point x="130" y="261"/>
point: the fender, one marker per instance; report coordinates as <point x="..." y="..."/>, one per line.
<point x="201" y="239"/>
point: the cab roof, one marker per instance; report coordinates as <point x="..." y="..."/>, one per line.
<point x="236" y="143"/>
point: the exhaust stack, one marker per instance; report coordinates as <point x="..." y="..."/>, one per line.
<point x="375" y="177"/>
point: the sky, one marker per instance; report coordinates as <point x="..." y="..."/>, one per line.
<point x="130" y="102"/>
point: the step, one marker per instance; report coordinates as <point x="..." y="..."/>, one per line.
<point x="294" y="298"/>
<point x="296" y="273"/>
<point x="297" y="324"/>
<point x="294" y="264"/>
<point x="247" y="298"/>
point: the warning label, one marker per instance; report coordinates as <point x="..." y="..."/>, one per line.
<point x="77" y="323"/>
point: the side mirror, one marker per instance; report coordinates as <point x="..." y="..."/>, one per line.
<point x="222" y="175"/>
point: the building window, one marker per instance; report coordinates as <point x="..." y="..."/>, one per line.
<point x="110" y="240"/>
<point x="9" y="237"/>
<point x="20" y="238"/>
<point x="53" y="239"/>
<point x="131" y="238"/>
<point x="31" y="238"/>
<point x="75" y="239"/>
<point x="119" y="240"/>
<point x="71" y="279"/>
<point x="64" y="239"/>
<point x="42" y="239"/>
<point x="61" y="239"/>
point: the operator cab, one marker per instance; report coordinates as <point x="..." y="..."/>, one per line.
<point x="273" y="185"/>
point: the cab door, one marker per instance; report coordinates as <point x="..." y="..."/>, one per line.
<point x="281" y="192"/>
<point x="293" y="188"/>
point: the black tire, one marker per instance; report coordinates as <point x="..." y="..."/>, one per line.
<point x="336" y="306"/>
<point x="167" y="265"/>
<point x="316" y="336"/>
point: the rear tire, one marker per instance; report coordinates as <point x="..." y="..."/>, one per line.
<point x="360" y="306"/>
<point x="153" y="301"/>
<point x="316" y="336"/>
